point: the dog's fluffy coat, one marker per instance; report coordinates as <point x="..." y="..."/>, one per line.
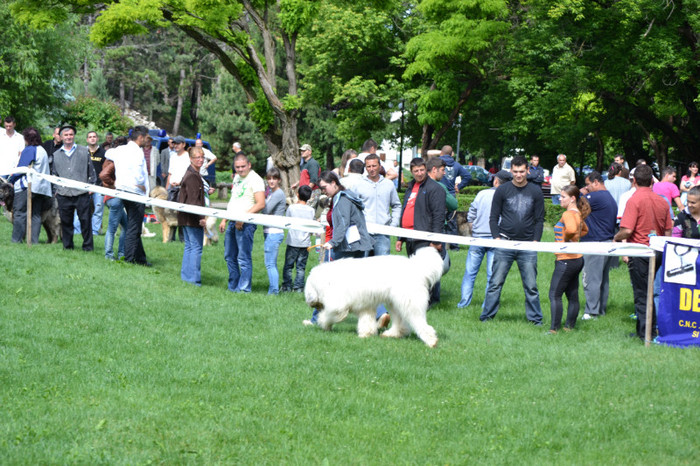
<point x="360" y="285"/>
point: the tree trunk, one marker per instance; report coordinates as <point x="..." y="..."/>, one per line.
<point x="86" y="76"/>
<point x="195" y="101"/>
<point x="131" y="97"/>
<point x="600" y="153"/>
<point x="178" y="110"/>
<point x="122" y="97"/>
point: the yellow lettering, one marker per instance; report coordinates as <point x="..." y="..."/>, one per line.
<point x="685" y="299"/>
<point x="696" y="300"/>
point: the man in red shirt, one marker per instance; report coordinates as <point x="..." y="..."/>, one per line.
<point x="646" y="214"/>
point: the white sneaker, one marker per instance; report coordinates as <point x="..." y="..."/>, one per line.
<point x="588" y="317"/>
<point x="308" y="323"/>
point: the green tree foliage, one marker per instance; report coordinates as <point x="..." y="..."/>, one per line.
<point x="621" y="71"/>
<point x="449" y="59"/>
<point x="94" y="114"/>
<point x="35" y="70"/>
<point x="351" y="65"/>
<point x="224" y="119"/>
<point x="244" y="35"/>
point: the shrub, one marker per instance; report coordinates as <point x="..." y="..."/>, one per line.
<point x="97" y="115"/>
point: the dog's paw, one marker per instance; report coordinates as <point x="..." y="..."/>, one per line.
<point x="392" y="333"/>
<point x="431" y="342"/>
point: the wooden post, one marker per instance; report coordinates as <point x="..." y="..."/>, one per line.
<point x="29" y="210"/>
<point x="650" y="300"/>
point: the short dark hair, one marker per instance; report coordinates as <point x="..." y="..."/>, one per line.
<point x="240" y="156"/>
<point x="694" y="191"/>
<point x="435" y="162"/>
<point x="274" y="173"/>
<point x="356" y="166"/>
<point x="119" y="141"/>
<point x="643" y="176"/>
<point x="595" y="176"/>
<point x="304" y="193"/>
<point x="416" y="162"/>
<point x="90" y="132"/>
<point x="372" y="157"/>
<point x="668" y="171"/>
<point x="31" y="136"/>
<point x="369" y="144"/>
<point x="139" y="131"/>
<point x="9" y="119"/>
<point x="518" y="161"/>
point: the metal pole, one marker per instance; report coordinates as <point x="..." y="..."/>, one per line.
<point x="650" y="300"/>
<point x="459" y="140"/>
<point x="403" y="104"/>
<point x="29" y="209"/>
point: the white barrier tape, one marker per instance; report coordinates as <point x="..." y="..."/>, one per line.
<point x="592" y="248"/>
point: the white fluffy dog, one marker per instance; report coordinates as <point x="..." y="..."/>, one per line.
<point x="360" y="285"/>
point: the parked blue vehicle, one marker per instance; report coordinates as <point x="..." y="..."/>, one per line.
<point x="160" y="142"/>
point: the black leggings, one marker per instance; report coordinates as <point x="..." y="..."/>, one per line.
<point x="565" y="280"/>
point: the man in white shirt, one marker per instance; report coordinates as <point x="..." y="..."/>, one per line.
<point x="11" y="146"/>
<point x="247" y="196"/>
<point x="132" y="176"/>
<point x="179" y="162"/>
<point x="562" y="175"/>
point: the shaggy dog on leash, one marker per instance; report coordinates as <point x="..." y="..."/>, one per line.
<point x="360" y="285"/>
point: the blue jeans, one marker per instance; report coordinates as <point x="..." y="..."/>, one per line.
<point x="98" y="202"/>
<point x="527" y="264"/>
<point x="272" y="247"/>
<point x="191" y="270"/>
<point x="475" y="256"/>
<point x="294" y="255"/>
<point x="238" y="252"/>
<point x="117" y="216"/>
<point x="382" y="247"/>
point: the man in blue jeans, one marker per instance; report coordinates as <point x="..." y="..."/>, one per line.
<point x="478" y="215"/>
<point x="517" y="213"/>
<point x="383" y="207"/>
<point x="247" y="196"/>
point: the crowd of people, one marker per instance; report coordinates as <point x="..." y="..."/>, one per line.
<point x="627" y="206"/>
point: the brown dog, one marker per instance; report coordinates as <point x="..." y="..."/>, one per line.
<point x="166" y="217"/>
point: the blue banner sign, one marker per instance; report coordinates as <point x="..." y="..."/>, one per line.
<point x="679" y="302"/>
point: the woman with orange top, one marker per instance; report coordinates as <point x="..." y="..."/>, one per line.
<point x="567" y="267"/>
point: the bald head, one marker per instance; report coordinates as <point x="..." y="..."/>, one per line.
<point x="446" y="150"/>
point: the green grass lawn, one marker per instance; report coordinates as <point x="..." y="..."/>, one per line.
<point x="104" y="362"/>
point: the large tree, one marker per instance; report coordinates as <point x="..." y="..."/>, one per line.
<point x="35" y="70"/>
<point x="245" y="36"/>
<point x="610" y="75"/>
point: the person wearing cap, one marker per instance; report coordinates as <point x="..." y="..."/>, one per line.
<point x="179" y="162"/>
<point x="517" y="213"/>
<point x="478" y="217"/>
<point x="311" y="166"/>
<point x="73" y="162"/>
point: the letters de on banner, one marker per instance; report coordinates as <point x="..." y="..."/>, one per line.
<point x="679" y="302"/>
